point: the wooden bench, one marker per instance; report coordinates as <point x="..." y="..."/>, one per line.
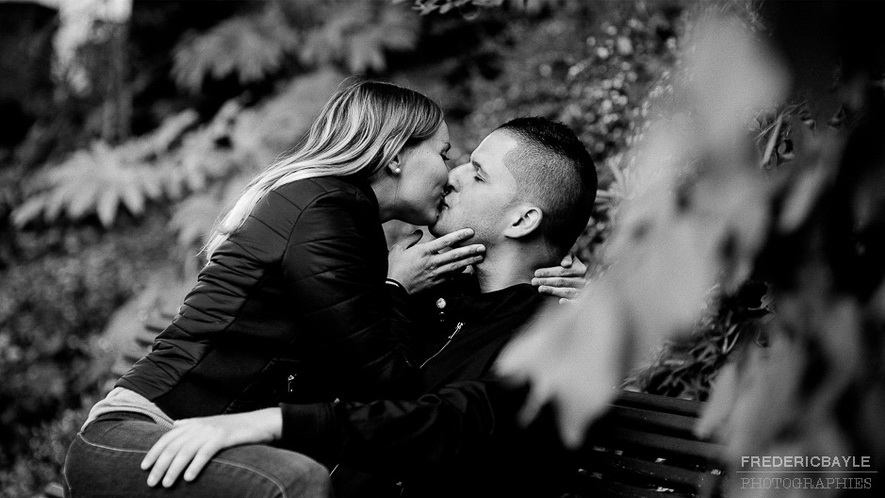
<point x="643" y="447"/>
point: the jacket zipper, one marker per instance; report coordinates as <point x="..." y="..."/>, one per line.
<point x="448" y="341"/>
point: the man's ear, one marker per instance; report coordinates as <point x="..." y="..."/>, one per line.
<point x="525" y="219"/>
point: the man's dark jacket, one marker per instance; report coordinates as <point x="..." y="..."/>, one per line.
<point x="292" y="306"/>
<point x="461" y="437"/>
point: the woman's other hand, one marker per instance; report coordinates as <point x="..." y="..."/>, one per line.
<point x="193" y="442"/>
<point x="420" y="266"/>
<point x="562" y="281"/>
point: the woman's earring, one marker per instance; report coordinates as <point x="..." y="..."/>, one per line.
<point x="397" y="171"/>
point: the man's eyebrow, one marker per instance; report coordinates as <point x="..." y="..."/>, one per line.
<point x="478" y="169"/>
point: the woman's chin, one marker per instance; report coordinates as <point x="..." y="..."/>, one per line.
<point x="439" y="227"/>
<point x="433" y="215"/>
<point x="423" y="219"/>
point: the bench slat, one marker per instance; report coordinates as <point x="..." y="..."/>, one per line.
<point x="595" y="488"/>
<point x="637" y="470"/>
<point x="651" y="421"/>
<point x="658" y="445"/>
<point x="659" y="403"/>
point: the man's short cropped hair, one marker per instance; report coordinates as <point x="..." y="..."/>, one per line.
<point x="554" y="171"/>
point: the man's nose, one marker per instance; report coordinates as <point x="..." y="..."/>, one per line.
<point x="456" y="174"/>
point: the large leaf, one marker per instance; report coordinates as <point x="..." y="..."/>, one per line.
<point x="264" y="132"/>
<point x="205" y="155"/>
<point x="359" y="34"/>
<point x="102" y="179"/>
<point x="572" y="356"/>
<point x="195" y="217"/>
<point x="251" y="47"/>
<point x="97" y="180"/>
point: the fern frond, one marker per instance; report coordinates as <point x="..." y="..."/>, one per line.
<point x="199" y="160"/>
<point x="29" y="211"/>
<point x="97" y="180"/>
<point x="106" y="208"/>
<point x="251" y="47"/>
<point x="194" y="218"/>
<point x="358" y="35"/>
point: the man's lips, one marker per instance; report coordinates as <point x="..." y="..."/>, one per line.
<point x="445" y="195"/>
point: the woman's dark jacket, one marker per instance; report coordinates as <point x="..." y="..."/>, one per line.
<point x="291" y="307"/>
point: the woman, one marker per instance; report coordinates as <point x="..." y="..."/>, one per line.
<point x="291" y="306"/>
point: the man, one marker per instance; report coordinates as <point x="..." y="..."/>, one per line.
<point x="527" y="192"/>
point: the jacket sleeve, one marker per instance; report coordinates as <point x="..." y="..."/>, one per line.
<point x="395" y="436"/>
<point x="333" y="268"/>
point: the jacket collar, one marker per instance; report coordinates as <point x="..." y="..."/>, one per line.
<point x="363" y="186"/>
<point x="474" y="307"/>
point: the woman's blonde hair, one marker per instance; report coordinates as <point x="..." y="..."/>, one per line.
<point x="358" y="132"/>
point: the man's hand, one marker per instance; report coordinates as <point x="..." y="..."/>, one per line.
<point x="421" y="266"/>
<point x="562" y="281"/>
<point x="193" y="442"/>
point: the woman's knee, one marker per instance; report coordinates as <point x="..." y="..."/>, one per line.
<point x="91" y="469"/>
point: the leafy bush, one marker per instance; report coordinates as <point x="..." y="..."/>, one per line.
<point x="356" y="35"/>
<point x="161" y="166"/>
<point x="593" y="72"/>
<point x="95" y="181"/>
<point x="688" y="364"/>
<point x="250" y="47"/>
<point x="471" y="7"/>
<point x="47" y="445"/>
<point x="53" y="305"/>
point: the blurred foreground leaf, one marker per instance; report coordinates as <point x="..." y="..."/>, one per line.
<point x="695" y="216"/>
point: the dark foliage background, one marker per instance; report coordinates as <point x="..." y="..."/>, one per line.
<point x="107" y="190"/>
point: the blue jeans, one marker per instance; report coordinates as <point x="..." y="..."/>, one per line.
<point x="104" y="460"/>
